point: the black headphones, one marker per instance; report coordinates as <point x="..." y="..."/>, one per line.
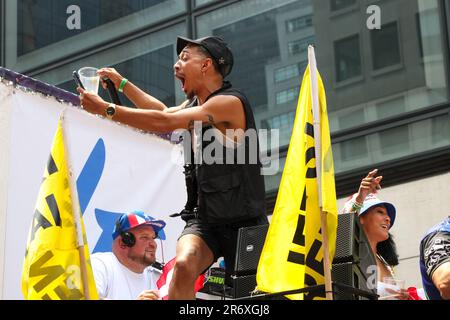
<point x="127" y="237"/>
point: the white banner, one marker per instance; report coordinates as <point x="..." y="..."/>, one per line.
<point x="118" y="169"/>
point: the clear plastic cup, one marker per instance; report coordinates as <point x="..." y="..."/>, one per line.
<point x="390" y="288"/>
<point x="89" y="78"/>
<point x="399" y="284"/>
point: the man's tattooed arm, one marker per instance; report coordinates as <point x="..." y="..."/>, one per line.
<point x="209" y="122"/>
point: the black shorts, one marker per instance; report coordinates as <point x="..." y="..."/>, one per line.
<point x="222" y="239"/>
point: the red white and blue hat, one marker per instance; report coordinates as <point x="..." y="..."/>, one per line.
<point x="135" y="219"/>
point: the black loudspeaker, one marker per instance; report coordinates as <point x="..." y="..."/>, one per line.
<point x="350" y="274"/>
<point x="249" y="246"/>
<point x="352" y="244"/>
<point x="242" y="286"/>
<point x="354" y="263"/>
<point x="347" y="240"/>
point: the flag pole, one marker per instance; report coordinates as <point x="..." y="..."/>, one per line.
<point x="318" y="154"/>
<point x="76" y="214"/>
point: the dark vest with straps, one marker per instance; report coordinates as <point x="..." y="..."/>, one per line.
<point x="230" y="188"/>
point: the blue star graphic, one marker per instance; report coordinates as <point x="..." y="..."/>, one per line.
<point x="86" y="184"/>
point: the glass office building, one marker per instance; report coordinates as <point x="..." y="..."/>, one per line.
<point x="387" y="88"/>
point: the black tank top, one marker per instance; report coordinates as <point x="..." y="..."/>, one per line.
<point x="230" y="192"/>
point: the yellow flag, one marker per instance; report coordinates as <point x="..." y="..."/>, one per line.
<point x="292" y="257"/>
<point x="53" y="269"/>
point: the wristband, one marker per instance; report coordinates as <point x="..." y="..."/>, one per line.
<point x="122" y="84"/>
<point x="356" y="206"/>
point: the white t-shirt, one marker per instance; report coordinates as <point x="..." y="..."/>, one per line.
<point x="115" y="281"/>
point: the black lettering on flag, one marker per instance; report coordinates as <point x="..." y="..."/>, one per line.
<point x="72" y="294"/>
<point x="309" y="129"/>
<point x="50" y="273"/>
<point x="303" y="204"/>
<point x="39" y="221"/>
<point x="311" y="260"/>
<point x="310" y="172"/>
<point x="299" y="239"/>
<point x="51" y="166"/>
<point x="295" y="257"/>
<point x="309" y="282"/>
<point x="310" y="154"/>
<point x="53" y="206"/>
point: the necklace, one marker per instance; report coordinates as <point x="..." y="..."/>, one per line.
<point x="387" y="265"/>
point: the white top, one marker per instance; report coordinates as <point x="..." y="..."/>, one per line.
<point x="115" y="281"/>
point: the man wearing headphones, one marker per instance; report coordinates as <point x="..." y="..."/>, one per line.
<point x="126" y="272"/>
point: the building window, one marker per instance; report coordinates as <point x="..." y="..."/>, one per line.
<point x="300" y="46"/>
<point x="287" y="95"/>
<point x="391" y="107"/>
<point x="41" y="23"/>
<point x="288" y="72"/>
<point x="429" y="33"/>
<point x="385" y="46"/>
<point x="341" y="4"/>
<point x="285" y="120"/>
<point x="395" y="141"/>
<point x="440" y="130"/>
<point x="348" y="58"/>
<point x="283" y="123"/>
<point x="299" y="23"/>
<point x="353" y="149"/>
<point x="349" y="119"/>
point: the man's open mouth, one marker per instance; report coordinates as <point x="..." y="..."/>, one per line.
<point x="182" y="79"/>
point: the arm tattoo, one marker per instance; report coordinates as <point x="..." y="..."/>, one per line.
<point x="192" y="122"/>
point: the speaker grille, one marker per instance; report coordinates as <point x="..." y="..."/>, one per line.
<point x="347" y="240"/>
<point x="249" y="246"/>
<point x="351" y="275"/>
<point x="243" y="286"/>
<point x="354" y="264"/>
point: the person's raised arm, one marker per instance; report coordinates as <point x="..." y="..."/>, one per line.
<point x="369" y="184"/>
<point x="219" y="109"/>
<point x="140" y="98"/>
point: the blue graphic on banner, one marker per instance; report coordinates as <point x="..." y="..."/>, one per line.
<point x="86" y="184"/>
<point x="106" y="221"/>
<point x="90" y="175"/>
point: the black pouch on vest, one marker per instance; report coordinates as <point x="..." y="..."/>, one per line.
<point x="223" y="198"/>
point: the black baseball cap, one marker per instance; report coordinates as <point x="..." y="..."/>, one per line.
<point x="216" y="47"/>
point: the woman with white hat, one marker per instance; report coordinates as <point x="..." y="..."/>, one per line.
<point x="377" y="217"/>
